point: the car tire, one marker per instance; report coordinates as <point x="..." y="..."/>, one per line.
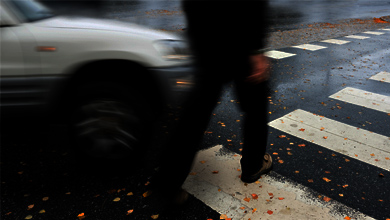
<point x="110" y="121"/>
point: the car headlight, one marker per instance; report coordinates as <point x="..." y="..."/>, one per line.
<point x="173" y="49"/>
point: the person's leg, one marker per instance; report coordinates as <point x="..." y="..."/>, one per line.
<point x="253" y="100"/>
<point x="181" y="148"/>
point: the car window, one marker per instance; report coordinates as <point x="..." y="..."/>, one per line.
<point x="31" y="10"/>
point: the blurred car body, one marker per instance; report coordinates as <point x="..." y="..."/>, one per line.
<point x="105" y="79"/>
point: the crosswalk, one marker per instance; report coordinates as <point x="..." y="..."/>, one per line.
<point x="215" y="175"/>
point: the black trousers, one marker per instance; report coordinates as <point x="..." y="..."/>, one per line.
<point x="214" y="71"/>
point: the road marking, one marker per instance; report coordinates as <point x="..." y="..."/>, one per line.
<point x="278" y="54"/>
<point x="356" y="143"/>
<point x="334" y="41"/>
<point x="363" y="98"/>
<point x="385" y="29"/>
<point x="310" y="47"/>
<point x="225" y="193"/>
<point x="357" y="37"/>
<point x="373" y="32"/>
<point x="382" y="77"/>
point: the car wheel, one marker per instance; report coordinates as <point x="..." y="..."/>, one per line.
<point x="110" y="122"/>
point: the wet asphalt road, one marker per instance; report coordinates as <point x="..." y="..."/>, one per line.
<point x="40" y="177"/>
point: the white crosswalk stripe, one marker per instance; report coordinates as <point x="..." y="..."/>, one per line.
<point x="357" y="143"/>
<point x="335" y="41"/>
<point x="268" y="198"/>
<point x="278" y="54"/>
<point x="357" y="37"/>
<point x="364" y="98"/>
<point x="310" y="47"/>
<point x="373" y="32"/>
<point x="382" y="77"/>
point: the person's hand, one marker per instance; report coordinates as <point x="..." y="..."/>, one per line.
<point x="260" y="69"/>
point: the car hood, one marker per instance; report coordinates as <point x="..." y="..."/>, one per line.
<point x="102" y="24"/>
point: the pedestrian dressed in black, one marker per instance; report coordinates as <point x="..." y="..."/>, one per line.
<point x="226" y="37"/>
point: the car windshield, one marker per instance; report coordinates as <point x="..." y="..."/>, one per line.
<point x="31" y="10"/>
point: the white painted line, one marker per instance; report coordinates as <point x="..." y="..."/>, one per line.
<point x="334" y="41"/>
<point x="310" y="47"/>
<point x="382" y="77"/>
<point x="225" y="193"/>
<point x="363" y="98"/>
<point x="357" y="37"/>
<point x="373" y="33"/>
<point x="385" y="29"/>
<point x="360" y="144"/>
<point x="278" y="54"/>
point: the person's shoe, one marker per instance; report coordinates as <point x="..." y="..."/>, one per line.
<point x="266" y="168"/>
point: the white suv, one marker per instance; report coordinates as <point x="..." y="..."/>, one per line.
<point x="106" y="79"/>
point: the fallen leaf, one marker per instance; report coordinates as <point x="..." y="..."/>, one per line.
<point x="346" y="160"/>
<point x="247" y="199"/>
<point x="130" y="194"/>
<point x="242" y="208"/>
<point x="280" y="198"/>
<point x="280" y="161"/>
<point x="327" y="199"/>
<point x="42" y="211"/>
<point x="296" y="171"/>
<point x="255" y="196"/>
<point x="274" y="153"/>
<point x="327" y="171"/>
<point x="301" y="145"/>
<point x="28" y="217"/>
<point x="372" y="155"/>
<point x="301" y="129"/>
<point x="223" y="216"/>
<point x="30" y="207"/>
<point x="341" y="195"/>
<point x="68" y="193"/>
<point x="270" y="212"/>
<point x="45" y="198"/>
<point x="326" y="179"/>
<point x="325" y="137"/>
<point x="154" y="216"/>
<point x="345" y="186"/>
<point x="381" y="175"/>
<point x="347" y="217"/>
<point x="130" y="211"/>
<point x="310" y="180"/>
<point x="81" y="216"/>
<point x="202" y="162"/>
<point x="322" y="128"/>
<point x="254" y="210"/>
<point x="117" y="199"/>
<point x="193" y="173"/>
<point x="147" y="193"/>
<point x="215" y="172"/>
<point x="282" y="136"/>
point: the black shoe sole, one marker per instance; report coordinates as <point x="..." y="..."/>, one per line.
<point x="255" y="177"/>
